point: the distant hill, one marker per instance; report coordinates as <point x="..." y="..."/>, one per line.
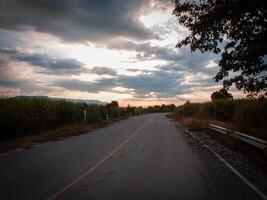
<point x="87" y="101"/>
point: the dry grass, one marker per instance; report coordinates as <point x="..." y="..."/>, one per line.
<point x="194" y="123"/>
<point x="199" y="124"/>
<point x="55" y="134"/>
<point x="189" y="122"/>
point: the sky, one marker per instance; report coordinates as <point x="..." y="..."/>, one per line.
<point x="103" y="50"/>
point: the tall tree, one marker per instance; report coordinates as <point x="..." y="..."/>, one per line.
<point x="237" y="30"/>
<point x="221" y="94"/>
<point x="114" y="104"/>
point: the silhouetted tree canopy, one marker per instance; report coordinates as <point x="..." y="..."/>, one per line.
<point x="114" y="104"/>
<point x="221" y="94"/>
<point x="234" y="28"/>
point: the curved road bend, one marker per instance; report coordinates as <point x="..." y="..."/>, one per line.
<point x="143" y="157"/>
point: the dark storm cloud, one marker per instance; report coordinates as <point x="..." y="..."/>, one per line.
<point x="103" y="71"/>
<point x="53" y="65"/>
<point x="146" y="50"/>
<point x="111" y="22"/>
<point x="8" y="51"/>
<point x="25" y="86"/>
<point x="5" y="53"/>
<point x="11" y="83"/>
<point x="157" y="83"/>
<point x="143" y="71"/>
<point x="162" y="84"/>
<point x="164" y="81"/>
<point x="10" y="80"/>
<point x="79" y="20"/>
<point x="45" y="63"/>
<point x="105" y="84"/>
<point x="192" y="64"/>
<point x="178" y="59"/>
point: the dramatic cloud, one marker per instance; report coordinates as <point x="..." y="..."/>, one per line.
<point x="112" y="49"/>
<point x="178" y="59"/>
<point x="146" y="50"/>
<point x="165" y="81"/>
<point x="157" y="83"/>
<point x="24" y="86"/>
<point x="92" y="87"/>
<point x="162" y="83"/>
<point x="79" y="20"/>
<point x="103" y="71"/>
<point x="45" y="63"/>
<point x="53" y="65"/>
<point x="8" y="51"/>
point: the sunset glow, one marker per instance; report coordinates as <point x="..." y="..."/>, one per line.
<point x="132" y="60"/>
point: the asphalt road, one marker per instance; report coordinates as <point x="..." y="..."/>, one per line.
<point x="143" y="157"/>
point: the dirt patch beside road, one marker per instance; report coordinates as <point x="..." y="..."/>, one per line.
<point x="54" y="134"/>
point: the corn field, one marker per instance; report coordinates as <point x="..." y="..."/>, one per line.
<point x="27" y="116"/>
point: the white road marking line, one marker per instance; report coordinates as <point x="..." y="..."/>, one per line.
<point x="237" y="173"/>
<point x="95" y="166"/>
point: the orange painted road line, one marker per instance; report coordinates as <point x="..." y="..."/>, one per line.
<point x="91" y="169"/>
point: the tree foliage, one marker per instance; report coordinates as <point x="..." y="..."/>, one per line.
<point x="114" y="104"/>
<point x="237" y="30"/>
<point x="221" y="94"/>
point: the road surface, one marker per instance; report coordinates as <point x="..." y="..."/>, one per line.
<point x="143" y="157"/>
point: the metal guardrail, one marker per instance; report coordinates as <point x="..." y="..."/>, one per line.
<point x="262" y="144"/>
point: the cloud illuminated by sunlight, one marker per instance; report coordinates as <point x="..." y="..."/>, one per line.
<point x="131" y="57"/>
<point x="155" y="18"/>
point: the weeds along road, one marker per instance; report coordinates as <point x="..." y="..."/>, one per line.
<point x="143" y="157"/>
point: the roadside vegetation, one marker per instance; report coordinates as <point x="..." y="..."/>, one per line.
<point x="26" y="116"/>
<point x="246" y="115"/>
